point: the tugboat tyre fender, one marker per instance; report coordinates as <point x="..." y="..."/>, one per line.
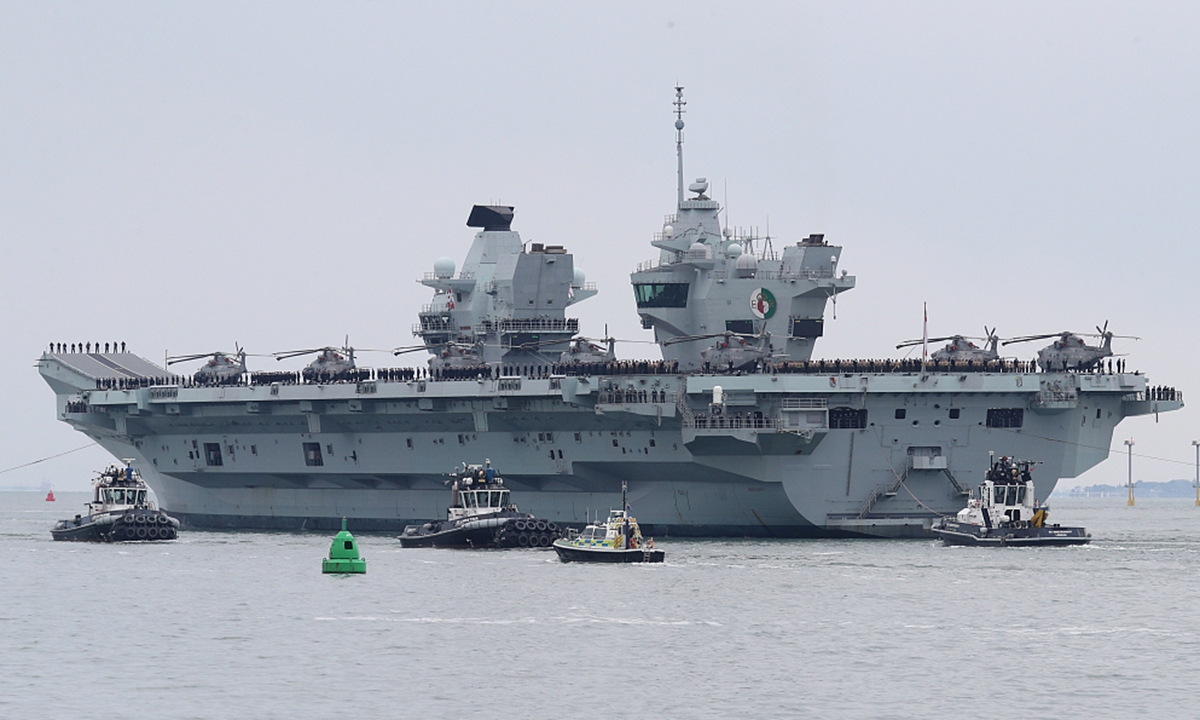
<point x="523" y="540"/>
<point x="139" y="519"/>
<point x="127" y="518"/>
<point x="141" y="532"/>
<point x="152" y="532"/>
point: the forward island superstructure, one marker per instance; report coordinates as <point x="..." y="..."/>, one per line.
<point x="736" y="432"/>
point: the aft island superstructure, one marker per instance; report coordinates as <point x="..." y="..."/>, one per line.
<point x="737" y="431"/>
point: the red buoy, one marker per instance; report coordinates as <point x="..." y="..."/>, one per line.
<point x="50" y="496"/>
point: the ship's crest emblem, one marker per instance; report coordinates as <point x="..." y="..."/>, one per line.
<point x="762" y="303"/>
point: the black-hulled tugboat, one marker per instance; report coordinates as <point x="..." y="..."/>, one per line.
<point x="1004" y="511"/>
<point x="617" y="540"/>
<point x="120" y="510"/>
<point x="482" y="516"/>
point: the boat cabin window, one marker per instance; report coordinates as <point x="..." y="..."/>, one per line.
<point x="999" y="497"/>
<point x="1021" y="495"/>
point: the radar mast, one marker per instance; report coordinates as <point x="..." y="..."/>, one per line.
<point x="679" y="111"/>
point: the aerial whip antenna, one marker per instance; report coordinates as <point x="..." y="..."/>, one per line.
<point x="924" y="337"/>
<point x="679" y="111"/>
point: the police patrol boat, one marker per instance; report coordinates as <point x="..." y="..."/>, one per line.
<point x="120" y="510"/>
<point x="1005" y="511"/>
<point x="481" y="516"/>
<point x="737" y="431"/>
<point x="616" y="540"/>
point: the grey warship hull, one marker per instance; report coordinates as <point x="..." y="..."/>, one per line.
<point x="806" y="455"/>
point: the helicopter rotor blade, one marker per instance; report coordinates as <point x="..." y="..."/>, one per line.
<point x="188" y="358"/>
<point x="1028" y="338"/>
<point x="908" y="343"/>
<point x="296" y="353"/>
<point x="412" y="348"/>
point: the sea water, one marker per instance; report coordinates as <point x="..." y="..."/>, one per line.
<point x="245" y="625"/>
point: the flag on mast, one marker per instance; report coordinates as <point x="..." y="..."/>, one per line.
<point x="925" y="336"/>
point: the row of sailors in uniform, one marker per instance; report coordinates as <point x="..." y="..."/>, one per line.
<point x="618" y="396"/>
<point x="906" y="365"/>
<point x="84" y="347"/>
<point x="910" y="365"/>
<point x="1162" y="392"/>
<point x="624" y="367"/>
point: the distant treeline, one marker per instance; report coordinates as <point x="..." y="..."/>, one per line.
<point x="1168" y="489"/>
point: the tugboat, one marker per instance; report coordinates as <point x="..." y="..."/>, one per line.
<point x="616" y="540"/>
<point x="119" y="511"/>
<point x="1004" y="511"/>
<point x="482" y="516"/>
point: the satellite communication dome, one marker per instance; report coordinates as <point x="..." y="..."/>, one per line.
<point x="580" y="278"/>
<point x="698" y="249"/>
<point x="443" y="267"/>
<point x="668" y="231"/>
<point x="734" y="250"/>
<point x="747" y="266"/>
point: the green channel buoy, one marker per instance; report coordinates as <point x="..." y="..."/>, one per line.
<point x="343" y="555"/>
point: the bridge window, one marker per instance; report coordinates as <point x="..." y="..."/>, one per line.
<point x="844" y="418"/>
<point x="1005" y="417"/>
<point x="954" y="413"/>
<point x="650" y="295"/>
<point x="900" y="413"/>
<point x="212" y="454"/>
<point x="808" y="327"/>
<point x="742" y="327"/>
<point x="312" y="455"/>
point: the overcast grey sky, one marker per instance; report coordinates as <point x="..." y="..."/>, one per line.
<point x="182" y="177"/>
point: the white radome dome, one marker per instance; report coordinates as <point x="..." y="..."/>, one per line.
<point x="580" y="278"/>
<point x="443" y="267"/>
<point x="734" y="250"/>
<point x="747" y="266"/>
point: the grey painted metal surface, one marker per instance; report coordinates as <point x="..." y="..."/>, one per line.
<point x="787" y="448"/>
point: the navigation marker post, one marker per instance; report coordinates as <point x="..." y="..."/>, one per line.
<point x="1129" y="444"/>
<point x="1196" y="443"/>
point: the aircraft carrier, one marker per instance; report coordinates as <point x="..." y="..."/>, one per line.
<point x="737" y="431"/>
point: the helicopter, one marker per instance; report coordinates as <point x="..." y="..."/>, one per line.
<point x="222" y="369"/>
<point x="960" y="347"/>
<point x="330" y="364"/>
<point x="733" y="352"/>
<point x="448" y="355"/>
<point x="587" y="350"/>
<point x="1070" y="351"/>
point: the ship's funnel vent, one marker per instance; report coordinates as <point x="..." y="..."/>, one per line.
<point x="491" y="217"/>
